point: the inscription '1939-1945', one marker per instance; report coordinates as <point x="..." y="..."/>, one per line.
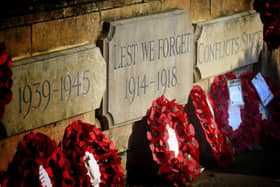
<point x="151" y="50"/>
<point x="32" y="96"/>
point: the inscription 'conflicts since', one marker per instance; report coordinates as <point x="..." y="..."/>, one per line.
<point x="208" y="52"/>
<point x="151" y="50"/>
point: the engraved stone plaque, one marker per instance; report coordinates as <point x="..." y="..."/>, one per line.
<point x="227" y="43"/>
<point x="146" y="57"/>
<point x="53" y="87"/>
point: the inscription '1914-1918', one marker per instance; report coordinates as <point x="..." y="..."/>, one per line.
<point x="150" y="51"/>
<point x="147" y="57"/>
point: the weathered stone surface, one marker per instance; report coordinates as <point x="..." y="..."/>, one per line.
<point x="17" y="41"/>
<point x="129" y="11"/>
<point x="242" y="5"/>
<point x="52" y="14"/>
<point x="200" y="10"/>
<point x="54" y="87"/>
<point x="204" y="84"/>
<point x="120" y="136"/>
<point x="62" y="33"/>
<point x="147" y="57"/>
<point x="227" y="43"/>
<point x="221" y="8"/>
<point x="109" y="4"/>
<point x="169" y="4"/>
<point x="228" y="7"/>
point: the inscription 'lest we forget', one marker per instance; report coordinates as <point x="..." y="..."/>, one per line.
<point x="152" y="50"/>
<point x="228" y="43"/>
<point x="147" y="57"/>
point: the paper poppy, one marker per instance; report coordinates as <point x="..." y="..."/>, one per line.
<point x="172" y="142"/>
<point x="5" y="79"/>
<point x="84" y="144"/>
<point x="270" y="15"/>
<point x="36" y="151"/>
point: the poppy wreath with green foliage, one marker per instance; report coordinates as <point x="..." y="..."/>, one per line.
<point x="220" y="144"/>
<point x="183" y="168"/>
<point x="270" y="125"/>
<point x="79" y="138"/>
<point x="247" y="135"/>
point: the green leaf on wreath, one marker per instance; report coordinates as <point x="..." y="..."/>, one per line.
<point x="233" y="149"/>
<point x="227" y="140"/>
<point x="158" y="107"/>
<point x="192" y="142"/>
<point x="189" y="157"/>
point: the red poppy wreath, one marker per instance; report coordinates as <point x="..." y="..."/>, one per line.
<point x="270" y="15"/>
<point x="220" y="145"/>
<point x="270" y="113"/>
<point x="246" y="135"/>
<point x="37" y="162"/>
<point x="93" y="157"/>
<point x="5" y="79"/>
<point x="172" y="142"/>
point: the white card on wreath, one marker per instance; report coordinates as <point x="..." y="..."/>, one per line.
<point x="44" y="177"/>
<point x="93" y="169"/>
<point x="263" y="111"/>
<point x="172" y="141"/>
<point x="262" y="89"/>
<point x="235" y="92"/>
<point x="234" y="118"/>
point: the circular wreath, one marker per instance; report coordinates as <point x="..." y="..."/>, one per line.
<point x="180" y="165"/>
<point x="5" y="79"/>
<point x="220" y="144"/>
<point x="270" y="15"/>
<point x="81" y="138"/>
<point x="34" y="151"/>
<point x="247" y="135"/>
<point x="271" y="124"/>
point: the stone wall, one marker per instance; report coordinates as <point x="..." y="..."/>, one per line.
<point x="65" y="25"/>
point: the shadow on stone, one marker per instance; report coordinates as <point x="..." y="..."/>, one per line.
<point x="207" y="158"/>
<point x="3" y="133"/>
<point x="141" y="168"/>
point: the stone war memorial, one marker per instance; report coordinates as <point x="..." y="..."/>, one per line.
<point x="137" y="93"/>
<point x="145" y="62"/>
<point x="56" y="86"/>
<point x="227" y="43"/>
